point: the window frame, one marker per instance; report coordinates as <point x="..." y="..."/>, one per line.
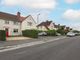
<point x="15" y="23"/>
<point x="15" y="30"/>
<point x="29" y="23"/>
<point x="6" y="22"/>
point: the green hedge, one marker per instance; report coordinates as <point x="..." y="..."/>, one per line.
<point x="51" y="33"/>
<point x="30" y="33"/>
<point x="39" y="31"/>
<point x="2" y="35"/>
<point x="62" y="32"/>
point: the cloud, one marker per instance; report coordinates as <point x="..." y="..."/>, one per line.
<point x="42" y="17"/>
<point x="71" y="14"/>
<point x="72" y="1"/>
<point x="33" y="7"/>
<point x="42" y="4"/>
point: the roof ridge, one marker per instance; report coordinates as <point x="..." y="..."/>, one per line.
<point x="8" y="13"/>
<point x="8" y="16"/>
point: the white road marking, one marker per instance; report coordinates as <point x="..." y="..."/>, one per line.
<point x="55" y="39"/>
<point x="9" y="48"/>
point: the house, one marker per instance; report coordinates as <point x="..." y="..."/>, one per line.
<point x="48" y="25"/>
<point x="14" y="24"/>
<point x="28" y="23"/>
<point x="10" y="23"/>
<point x="57" y="26"/>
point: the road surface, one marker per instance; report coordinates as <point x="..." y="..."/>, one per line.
<point x="63" y="49"/>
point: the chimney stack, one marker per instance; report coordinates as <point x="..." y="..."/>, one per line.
<point x="18" y="14"/>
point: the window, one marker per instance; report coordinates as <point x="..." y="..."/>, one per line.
<point x="15" y="30"/>
<point x="6" y="22"/>
<point x="29" y="23"/>
<point x="15" y="23"/>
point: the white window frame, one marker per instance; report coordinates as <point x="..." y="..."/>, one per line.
<point x="6" y="22"/>
<point x="29" y="23"/>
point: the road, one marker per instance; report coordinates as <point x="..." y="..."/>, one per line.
<point x="63" y="49"/>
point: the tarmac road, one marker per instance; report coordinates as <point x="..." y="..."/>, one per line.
<point x="63" y="49"/>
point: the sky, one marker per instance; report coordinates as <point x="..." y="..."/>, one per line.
<point x="64" y="12"/>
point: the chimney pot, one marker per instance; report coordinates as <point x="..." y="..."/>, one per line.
<point x="18" y="14"/>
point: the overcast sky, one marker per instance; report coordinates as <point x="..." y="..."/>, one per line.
<point x="65" y="12"/>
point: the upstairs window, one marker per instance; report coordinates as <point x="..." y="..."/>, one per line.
<point x="29" y="23"/>
<point x="6" y="22"/>
<point x="15" y="23"/>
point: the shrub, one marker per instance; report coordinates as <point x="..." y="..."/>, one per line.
<point x="62" y="32"/>
<point x="51" y="33"/>
<point x="2" y="35"/>
<point x="39" y="31"/>
<point x="66" y="31"/>
<point x="30" y="33"/>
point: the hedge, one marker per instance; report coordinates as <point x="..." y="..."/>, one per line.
<point x="2" y="35"/>
<point x="62" y="32"/>
<point x="51" y="33"/>
<point x="30" y="33"/>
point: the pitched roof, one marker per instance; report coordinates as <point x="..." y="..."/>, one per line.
<point x="56" y="26"/>
<point x="29" y="16"/>
<point x="11" y="17"/>
<point x="47" y="23"/>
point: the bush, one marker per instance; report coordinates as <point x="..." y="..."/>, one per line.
<point x="39" y="31"/>
<point x="66" y="32"/>
<point x="2" y="35"/>
<point x="51" y="33"/>
<point x="62" y="32"/>
<point x="30" y="33"/>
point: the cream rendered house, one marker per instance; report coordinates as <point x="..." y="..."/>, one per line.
<point x="10" y="23"/>
<point x="48" y="25"/>
<point x="29" y="23"/>
<point x="14" y="24"/>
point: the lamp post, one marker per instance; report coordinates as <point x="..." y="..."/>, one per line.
<point x="38" y="18"/>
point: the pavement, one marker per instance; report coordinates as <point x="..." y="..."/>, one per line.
<point x="60" y="49"/>
<point x="15" y="44"/>
<point x="17" y="38"/>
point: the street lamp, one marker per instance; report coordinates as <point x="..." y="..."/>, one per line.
<point x="38" y="18"/>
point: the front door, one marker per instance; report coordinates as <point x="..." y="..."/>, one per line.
<point x="7" y="33"/>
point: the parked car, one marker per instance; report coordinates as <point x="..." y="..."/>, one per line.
<point x="71" y="34"/>
<point x="42" y="34"/>
<point x="77" y="34"/>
